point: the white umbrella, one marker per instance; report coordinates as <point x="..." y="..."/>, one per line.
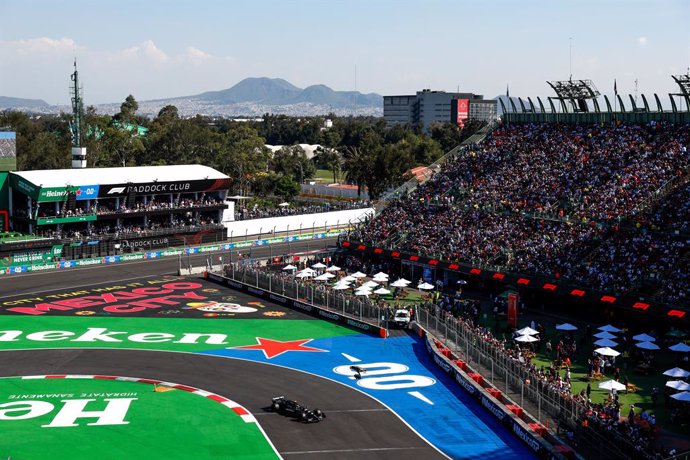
<point x="566" y="327"/>
<point x="677" y="372"/>
<point x="365" y="293"/>
<point x="307" y="270"/>
<point x="328" y="275"/>
<point x="318" y="265"/>
<point x="348" y="278"/>
<point x="289" y="267"/>
<point x="647" y="345"/>
<point x="680" y="346"/>
<point x="682" y="396"/>
<point x="526" y="338"/>
<point x="380" y="279"/>
<point x="462" y="282"/>
<point x="612" y="385"/>
<point x="403" y="280"/>
<point x="370" y="284"/>
<point x="283" y="204"/>
<point x="678" y="385"/>
<point x="604" y="335"/>
<point x="425" y="286"/>
<point x="322" y="277"/>
<point x="358" y="275"/>
<point x="382" y="291"/>
<point x="526" y="331"/>
<point x="609" y="328"/>
<point x="400" y="283"/>
<point x="333" y="268"/>
<point x="381" y="275"/>
<point x="606" y="351"/>
<point x="340" y="287"/>
<point x="606" y="343"/>
<point x="304" y="275"/>
<point x="644" y="338"/>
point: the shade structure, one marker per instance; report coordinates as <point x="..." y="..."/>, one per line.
<point x="382" y="291"/>
<point x="678" y="385"/>
<point x="381" y="275"/>
<point x="284" y="204"/>
<point x="644" y="338"/>
<point x="677" y="333"/>
<point x="526" y="338"/>
<point x="462" y="282"/>
<point x="304" y="275"/>
<point x="612" y="385"/>
<point x="682" y="396"/>
<point x="680" y="346"/>
<point x="606" y="351"/>
<point x="340" y="287"/>
<point x="358" y="275"/>
<point x="606" y="343"/>
<point x="647" y="345"/>
<point x="604" y="335"/>
<point x="333" y="268"/>
<point x="371" y="284"/>
<point x="425" y="286"/>
<point x="526" y="331"/>
<point x="380" y="279"/>
<point x="400" y="283"/>
<point x="328" y="275"/>
<point x="364" y="293"/>
<point x="566" y="327"/>
<point x="308" y="270"/>
<point x="318" y="265"/>
<point x="289" y="267"/>
<point x="677" y="372"/>
<point x="348" y="278"/>
<point x="609" y="328"/>
<point x="322" y="277"/>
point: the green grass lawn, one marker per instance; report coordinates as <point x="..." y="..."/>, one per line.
<point x="325" y="175"/>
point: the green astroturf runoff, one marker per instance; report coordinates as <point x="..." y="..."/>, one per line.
<point x="185" y="335"/>
<point x="76" y="419"/>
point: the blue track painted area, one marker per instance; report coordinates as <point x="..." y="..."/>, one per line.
<point x="401" y="375"/>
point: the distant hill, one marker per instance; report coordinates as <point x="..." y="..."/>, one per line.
<point x="18" y="102"/>
<point x="276" y="91"/>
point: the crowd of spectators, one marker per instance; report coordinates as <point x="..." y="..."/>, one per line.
<point x="268" y="209"/>
<point x="603" y="206"/>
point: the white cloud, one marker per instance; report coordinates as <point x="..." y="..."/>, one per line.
<point x="40" y="45"/>
<point x="642" y="41"/>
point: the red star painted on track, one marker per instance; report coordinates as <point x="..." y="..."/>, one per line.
<point x="273" y="348"/>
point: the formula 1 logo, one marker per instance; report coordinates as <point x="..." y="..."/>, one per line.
<point x="115" y="190"/>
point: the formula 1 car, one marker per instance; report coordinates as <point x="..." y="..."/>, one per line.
<point x="290" y="408"/>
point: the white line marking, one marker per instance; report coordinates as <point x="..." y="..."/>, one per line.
<point x="373" y="449"/>
<point x="352" y="359"/>
<point x="418" y="395"/>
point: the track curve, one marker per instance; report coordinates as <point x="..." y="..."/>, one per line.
<point x="358" y="426"/>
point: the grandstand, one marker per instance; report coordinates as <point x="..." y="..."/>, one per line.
<point x="596" y="211"/>
<point x="99" y="212"/>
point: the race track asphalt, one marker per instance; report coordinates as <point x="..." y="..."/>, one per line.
<point x="356" y="427"/>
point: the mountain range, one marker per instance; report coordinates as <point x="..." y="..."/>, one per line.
<point x="251" y="97"/>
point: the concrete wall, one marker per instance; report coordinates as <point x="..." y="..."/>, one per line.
<point x="291" y="224"/>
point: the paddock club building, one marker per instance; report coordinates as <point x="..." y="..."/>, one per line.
<point x="82" y="213"/>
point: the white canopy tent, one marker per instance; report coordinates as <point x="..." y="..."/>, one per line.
<point x="425" y="286"/>
<point x="526" y="338"/>
<point x="677" y="372"/>
<point x="612" y="385"/>
<point x="526" y="331"/>
<point x="606" y="351"/>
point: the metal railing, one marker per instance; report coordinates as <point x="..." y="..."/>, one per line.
<point x="359" y="308"/>
<point x="541" y="400"/>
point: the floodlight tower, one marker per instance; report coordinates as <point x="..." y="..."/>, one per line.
<point x="78" y="152"/>
<point x="683" y="82"/>
<point x="576" y="93"/>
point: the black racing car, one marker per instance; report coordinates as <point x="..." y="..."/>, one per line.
<point x="290" y="408"/>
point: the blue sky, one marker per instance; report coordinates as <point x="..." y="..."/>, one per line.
<point x="155" y="48"/>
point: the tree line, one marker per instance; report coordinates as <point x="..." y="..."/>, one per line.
<point x="367" y="152"/>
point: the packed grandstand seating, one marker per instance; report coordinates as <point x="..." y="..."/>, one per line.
<point x="602" y="206"/>
<point x="110" y="206"/>
<point x="260" y="211"/>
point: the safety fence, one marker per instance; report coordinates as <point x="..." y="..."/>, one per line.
<point x="359" y="308"/>
<point x="555" y="409"/>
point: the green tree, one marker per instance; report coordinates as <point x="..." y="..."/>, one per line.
<point x="287" y="188"/>
<point x="357" y="165"/>
<point x="128" y="110"/>
<point x="292" y="161"/>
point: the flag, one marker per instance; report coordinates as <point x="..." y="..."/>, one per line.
<point x="615" y="87"/>
<point x="507" y="91"/>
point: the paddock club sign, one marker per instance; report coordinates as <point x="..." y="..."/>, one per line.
<point x="624" y="301"/>
<point x="156" y="188"/>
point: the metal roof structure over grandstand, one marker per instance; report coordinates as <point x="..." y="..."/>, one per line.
<point x="111" y="176"/>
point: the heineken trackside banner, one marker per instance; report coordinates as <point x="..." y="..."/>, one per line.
<point x="83" y="192"/>
<point x="65" y="220"/>
<point x="153" y="188"/>
<point x="38" y="257"/>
